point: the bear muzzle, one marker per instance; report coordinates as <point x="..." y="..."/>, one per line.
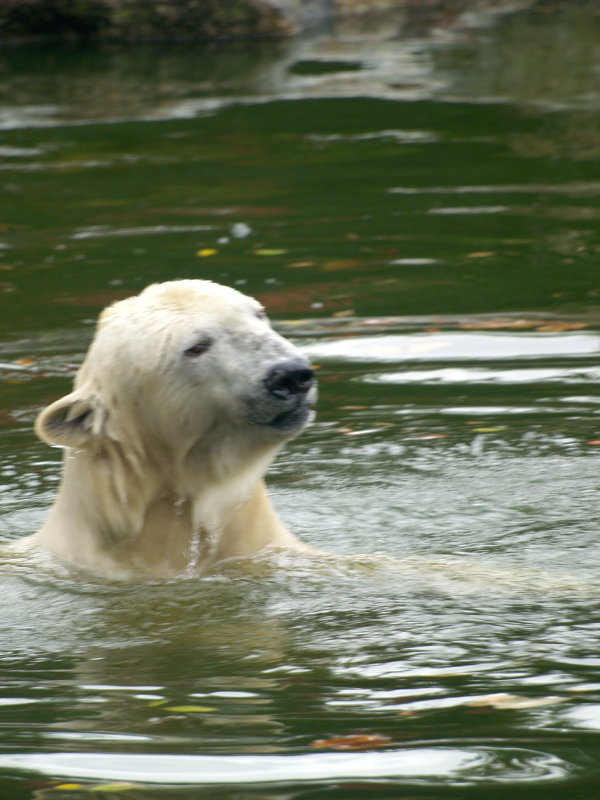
<point x="288" y="390"/>
<point x="291" y="378"/>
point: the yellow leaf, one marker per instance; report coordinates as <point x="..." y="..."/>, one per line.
<point x="121" y="786"/>
<point x="347" y="313"/>
<point x="268" y="252"/>
<point x="206" y="252"/>
<point x="191" y="709"/>
<point x="488" y="430"/>
<point x="69" y="787"/>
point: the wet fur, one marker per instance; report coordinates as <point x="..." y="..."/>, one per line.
<point x="165" y="454"/>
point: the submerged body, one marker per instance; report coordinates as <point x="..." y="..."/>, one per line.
<point x="183" y="400"/>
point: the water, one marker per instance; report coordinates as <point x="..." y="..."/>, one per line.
<point x="426" y="229"/>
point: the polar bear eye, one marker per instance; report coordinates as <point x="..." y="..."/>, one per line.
<point x="261" y="313"/>
<point x="200" y="347"/>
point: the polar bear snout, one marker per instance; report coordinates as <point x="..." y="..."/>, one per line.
<point x="287" y="392"/>
<point x="290" y="378"/>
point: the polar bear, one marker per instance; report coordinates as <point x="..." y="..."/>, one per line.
<point x="183" y="400"/>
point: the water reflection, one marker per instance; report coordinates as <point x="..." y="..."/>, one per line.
<point x="42" y="86"/>
<point x="544" y="57"/>
<point x="46" y="86"/>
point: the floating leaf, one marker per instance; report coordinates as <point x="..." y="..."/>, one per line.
<point x="302" y="264"/>
<point x="26" y="362"/>
<point x="69" y="787"/>
<point x="191" y="709"/>
<point x="489" y="430"/>
<point x="348" y="313"/>
<point x="206" y="252"/>
<point x="354" y="741"/>
<point x="121" y="786"/>
<point x="481" y="254"/>
<point x="499" y="324"/>
<point x="543" y="326"/>
<point x="269" y="252"/>
<point x="335" y="266"/>
<point x="594" y="442"/>
<point x="559" y="327"/>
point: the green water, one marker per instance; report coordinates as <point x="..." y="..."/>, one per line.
<point x="426" y="228"/>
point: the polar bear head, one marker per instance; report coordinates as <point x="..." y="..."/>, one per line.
<point x="184" y="386"/>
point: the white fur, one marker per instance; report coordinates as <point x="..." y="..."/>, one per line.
<point x="165" y="452"/>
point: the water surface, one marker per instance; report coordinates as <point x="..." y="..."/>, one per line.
<point x="425" y="227"/>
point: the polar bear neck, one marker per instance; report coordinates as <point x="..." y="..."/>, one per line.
<point x="149" y="529"/>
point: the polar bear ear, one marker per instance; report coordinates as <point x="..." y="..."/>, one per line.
<point x="72" y="421"/>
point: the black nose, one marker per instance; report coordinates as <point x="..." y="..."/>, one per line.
<point x="291" y="377"/>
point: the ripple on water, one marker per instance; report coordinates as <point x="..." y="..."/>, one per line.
<point x="390" y="348"/>
<point x="412" y="765"/>
<point x="486" y="375"/>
